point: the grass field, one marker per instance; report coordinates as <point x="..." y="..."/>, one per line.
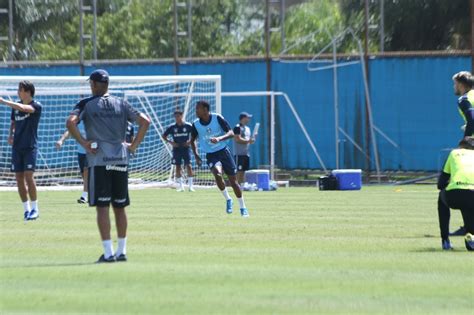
<point x="302" y="251"/>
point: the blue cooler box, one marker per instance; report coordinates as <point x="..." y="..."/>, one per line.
<point x="348" y="179"/>
<point x="259" y="177"/>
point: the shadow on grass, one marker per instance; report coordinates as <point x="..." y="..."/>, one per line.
<point x="435" y="249"/>
<point x="48" y="265"/>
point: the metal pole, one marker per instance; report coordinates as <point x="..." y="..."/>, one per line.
<point x="272" y="136"/>
<point x="366" y="67"/>
<point x="175" y="26"/>
<point x="282" y="24"/>
<point x="269" y="68"/>
<point x="382" y="26"/>
<point x="190" y="28"/>
<point x="10" y="30"/>
<point x="472" y="36"/>
<point x="81" y="37"/>
<point x="94" y="35"/>
<point x="336" y="100"/>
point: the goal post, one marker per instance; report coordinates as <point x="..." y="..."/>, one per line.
<point x="157" y="96"/>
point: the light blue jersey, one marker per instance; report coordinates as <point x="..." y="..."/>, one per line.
<point x="216" y="127"/>
<point x="80" y="148"/>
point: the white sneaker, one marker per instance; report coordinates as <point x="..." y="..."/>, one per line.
<point x="191" y="189"/>
<point x="34" y="214"/>
<point x="180" y="189"/>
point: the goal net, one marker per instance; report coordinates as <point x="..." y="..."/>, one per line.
<point x="157" y="96"/>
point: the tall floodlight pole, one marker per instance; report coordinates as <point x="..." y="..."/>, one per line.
<point x="472" y="36"/>
<point x="81" y="37"/>
<point x="366" y="66"/>
<point x="94" y="34"/>
<point x="336" y="100"/>
<point x="282" y="24"/>
<point x="190" y="28"/>
<point x="175" y="34"/>
<point x="10" y="30"/>
<point x="269" y="71"/>
<point x="382" y="26"/>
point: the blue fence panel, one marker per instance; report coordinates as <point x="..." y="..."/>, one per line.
<point x="412" y="98"/>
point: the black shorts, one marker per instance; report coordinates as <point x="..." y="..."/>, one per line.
<point x="82" y="162"/>
<point x="23" y="160"/>
<point x="243" y="163"/>
<point x="224" y="157"/>
<point x="181" y="155"/>
<point x="108" y="184"/>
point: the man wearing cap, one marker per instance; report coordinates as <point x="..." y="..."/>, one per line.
<point x="105" y="119"/>
<point x="242" y="141"/>
<point x="463" y="82"/>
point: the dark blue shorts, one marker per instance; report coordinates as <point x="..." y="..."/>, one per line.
<point x="181" y="155"/>
<point x="225" y="158"/>
<point x="82" y="161"/>
<point x="23" y="160"/>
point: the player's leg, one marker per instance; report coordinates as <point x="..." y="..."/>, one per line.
<point x="213" y="161"/>
<point x="82" y="163"/>
<point x="229" y="167"/>
<point x="177" y="158"/>
<point x="189" y="169"/>
<point x="120" y="200"/>
<point x="100" y="195"/>
<point x="466" y="198"/>
<point x="240" y="171"/>
<point x="30" y="165"/>
<point x="18" y="167"/>
<point x="444" y="215"/>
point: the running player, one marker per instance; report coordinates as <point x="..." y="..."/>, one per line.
<point x="212" y="131"/>
<point x="23" y="137"/>
<point x="180" y="133"/>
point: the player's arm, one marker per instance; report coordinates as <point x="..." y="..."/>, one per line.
<point x="61" y="140"/>
<point x="194" y="135"/>
<point x="443" y="179"/>
<point x="17" y="106"/>
<point x="239" y="139"/>
<point x="166" y="139"/>
<point x="143" y="123"/>
<point x="11" y="132"/>
<point x="71" y="125"/>
<point x="229" y="133"/>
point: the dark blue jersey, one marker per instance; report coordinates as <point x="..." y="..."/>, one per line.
<point x="465" y="105"/>
<point x="26" y="127"/>
<point x="180" y="133"/>
<point x="130" y="133"/>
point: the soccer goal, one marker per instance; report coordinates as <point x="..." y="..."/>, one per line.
<point x="157" y="96"/>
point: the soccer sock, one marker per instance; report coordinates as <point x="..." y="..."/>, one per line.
<point x="84" y="195"/>
<point x="180" y="182"/>
<point x="122" y="246"/>
<point x="108" y="248"/>
<point x="34" y="205"/>
<point x="226" y="194"/>
<point x="190" y="181"/>
<point x="26" y="206"/>
<point x="241" y="202"/>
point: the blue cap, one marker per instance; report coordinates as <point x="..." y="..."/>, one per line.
<point x="99" y="75"/>
<point x="244" y="115"/>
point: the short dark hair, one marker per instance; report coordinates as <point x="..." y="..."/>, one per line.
<point x="178" y="112"/>
<point x="27" y="86"/>
<point x="204" y="104"/>
<point x="464" y="77"/>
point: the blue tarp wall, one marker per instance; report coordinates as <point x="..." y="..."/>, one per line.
<point x="412" y="99"/>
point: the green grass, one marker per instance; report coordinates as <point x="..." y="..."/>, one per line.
<point x="302" y="251"/>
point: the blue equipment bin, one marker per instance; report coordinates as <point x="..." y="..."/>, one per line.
<point x="348" y="179"/>
<point x="259" y="177"/>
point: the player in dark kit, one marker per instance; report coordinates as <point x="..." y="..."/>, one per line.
<point x="23" y="137"/>
<point x="212" y="131"/>
<point x="105" y="119"/>
<point x="463" y="84"/>
<point x="180" y="133"/>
